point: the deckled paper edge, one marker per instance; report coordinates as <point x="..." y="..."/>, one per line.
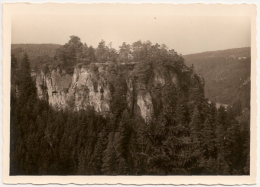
<point x="8" y="9"/>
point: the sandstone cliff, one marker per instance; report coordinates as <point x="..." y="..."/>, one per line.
<point x="142" y="89"/>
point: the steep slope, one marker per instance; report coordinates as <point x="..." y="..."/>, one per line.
<point x="143" y="89"/>
<point x="227" y="74"/>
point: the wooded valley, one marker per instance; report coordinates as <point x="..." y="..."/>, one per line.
<point x="185" y="135"/>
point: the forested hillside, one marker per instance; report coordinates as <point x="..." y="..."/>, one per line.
<point x="39" y="53"/>
<point x="227" y="75"/>
<point x="157" y="122"/>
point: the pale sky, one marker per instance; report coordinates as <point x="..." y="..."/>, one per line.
<point x="185" y="34"/>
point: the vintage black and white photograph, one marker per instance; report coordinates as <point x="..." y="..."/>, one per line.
<point x="110" y="91"/>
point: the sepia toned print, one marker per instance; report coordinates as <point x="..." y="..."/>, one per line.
<point x="149" y="94"/>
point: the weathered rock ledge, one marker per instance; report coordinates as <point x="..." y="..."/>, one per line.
<point x="99" y="85"/>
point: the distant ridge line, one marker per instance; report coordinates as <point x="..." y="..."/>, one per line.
<point x="222" y="50"/>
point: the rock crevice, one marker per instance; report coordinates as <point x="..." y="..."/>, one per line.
<point x="99" y="85"/>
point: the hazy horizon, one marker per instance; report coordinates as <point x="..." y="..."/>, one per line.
<point x="151" y="41"/>
<point x="184" y="34"/>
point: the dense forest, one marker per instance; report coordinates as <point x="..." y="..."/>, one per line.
<point x="188" y="136"/>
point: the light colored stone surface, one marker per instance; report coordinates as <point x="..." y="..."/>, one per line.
<point x="144" y="101"/>
<point x="91" y="86"/>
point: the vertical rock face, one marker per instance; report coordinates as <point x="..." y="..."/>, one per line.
<point x="104" y="87"/>
<point x="144" y="102"/>
<point x="90" y="88"/>
<point x="53" y="86"/>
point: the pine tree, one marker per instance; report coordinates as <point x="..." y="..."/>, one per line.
<point x="124" y="53"/>
<point x="26" y="86"/>
<point x="109" y="166"/>
<point x="208" y="139"/>
<point x="233" y="153"/>
<point x="196" y="139"/>
<point x="14" y="162"/>
<point x="24" y="116"/>
<point x="100" y="148"/>
<point x="102" y="52"/>
<point x="121" y="142"/>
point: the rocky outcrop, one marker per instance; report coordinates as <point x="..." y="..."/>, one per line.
<point x="53" y="86"/>
<point x="104" y="86"/>
<point x="90" y="88"/>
